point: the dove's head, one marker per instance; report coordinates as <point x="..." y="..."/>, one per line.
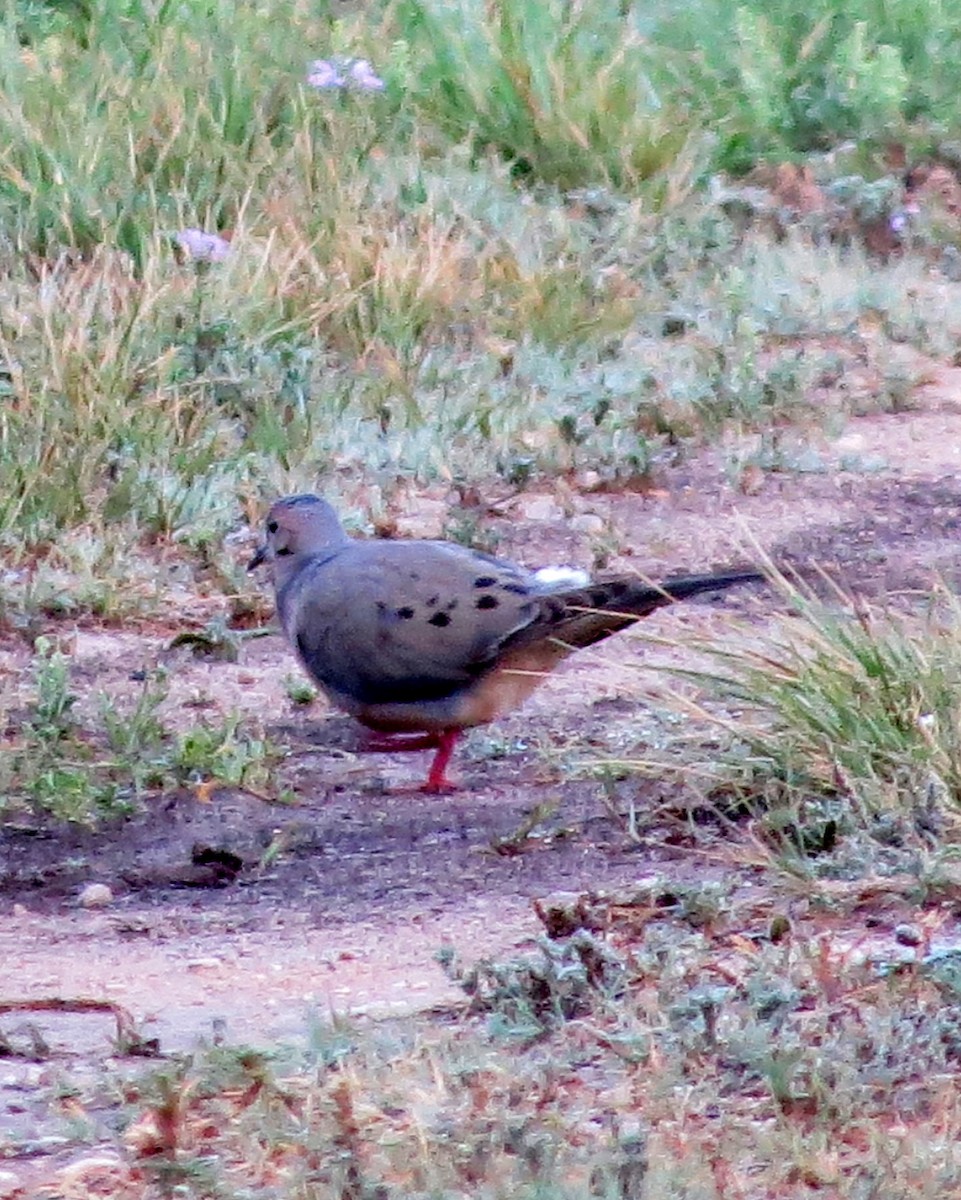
<point x="298" y="527"/>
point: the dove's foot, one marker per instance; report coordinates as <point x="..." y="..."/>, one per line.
<point x="437" y="781"/>
<point x="391" y="743"/>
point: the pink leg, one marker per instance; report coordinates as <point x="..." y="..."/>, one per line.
<point x="437" y="780"/>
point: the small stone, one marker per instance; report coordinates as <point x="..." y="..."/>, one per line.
<point x="427" y="520"/>
<point x="51" y="1143"/>
<point x="95" y="895"/>
<point x="20" y="910"/>
<point x="589" y="523"/>
<point x="10" y="1186"/>
<point x="538" y="508"/>
<point x="907" y="935"/>
<point x="205" y="964"/>
<point x="864" y="464"/>
<point x="95" y="1175"/>
<point x="26" y="1078"/>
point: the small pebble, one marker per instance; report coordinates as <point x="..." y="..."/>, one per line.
<point x="589" y="523"/>
<point x="204" y="964"/>
<point x="10" y="1186"/>
<point x="95" y="895"/>
<point x="538" y="508"/>
<point x="908" y="935"/>
<point x="95" y="1175"/>
<point x="427" y="520"/>
<point x="51" y="1143"/>
<point x="27" y="1078"/>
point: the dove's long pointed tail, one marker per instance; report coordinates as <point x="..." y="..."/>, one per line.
<point x="686" y="586"/>
<point x="584" y="616"/>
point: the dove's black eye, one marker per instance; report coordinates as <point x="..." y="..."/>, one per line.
<point x="272" y="526"/>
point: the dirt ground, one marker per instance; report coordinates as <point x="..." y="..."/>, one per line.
<point x="211" y="933"/>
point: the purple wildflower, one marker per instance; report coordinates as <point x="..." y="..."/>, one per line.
<point x="343" y="74"/>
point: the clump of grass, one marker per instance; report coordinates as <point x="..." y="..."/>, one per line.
<point x="613" y="94"/>
<point x="59" y="766"/>
<point x="856" y="700"/>
<point x="788" y="79"/>
<point x="565" y="93"/>
<point x="530" y="996"/>
<point x="844" y="720"/>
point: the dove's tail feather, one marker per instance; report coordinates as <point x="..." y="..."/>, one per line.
<point x="582" y="616"/>
<point x="686" y="586"/>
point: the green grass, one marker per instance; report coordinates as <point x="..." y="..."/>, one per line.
<point x="503" y="264"/>
<point x="613" y="93"/>
<point x="855" y="702"/>
<point x="835" y="733"/>
<point x="564" y="93"/>
<point x="89" y="770"/>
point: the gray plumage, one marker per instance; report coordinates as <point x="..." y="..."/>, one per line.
<point x="432" y="636"/>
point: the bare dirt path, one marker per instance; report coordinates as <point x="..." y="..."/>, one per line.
<point x="367" y="883"/>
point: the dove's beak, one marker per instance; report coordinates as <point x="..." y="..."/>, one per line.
<point x="259" y="558"/>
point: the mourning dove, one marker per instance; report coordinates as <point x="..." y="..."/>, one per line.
<point x="430" y="638"/>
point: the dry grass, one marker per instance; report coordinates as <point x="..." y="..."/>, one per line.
<point x="689" y="1044"/>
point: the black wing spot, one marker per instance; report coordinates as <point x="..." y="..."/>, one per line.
<point x="440" y="619"/>
<point x="451" y="604"/>
<point x="272" y="526"/>
<point x="485" y="581"/>
<point x="487" y="601"/>
<point x="431" y="602"/>
<point x="405" y="613"/>
<point x="516" y="589"/>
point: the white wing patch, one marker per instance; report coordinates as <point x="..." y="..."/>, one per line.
<point x="552" y="579"/>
